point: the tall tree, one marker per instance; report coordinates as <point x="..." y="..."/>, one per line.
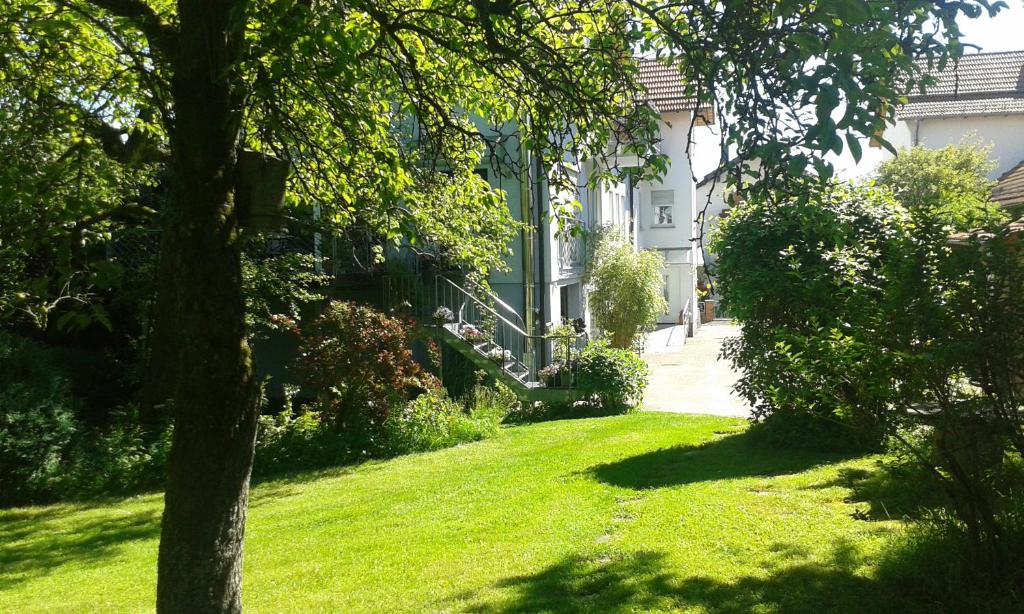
<point x="385" y="108"/>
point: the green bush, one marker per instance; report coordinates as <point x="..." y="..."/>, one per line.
<point x="433" y="421"/>
<point x="626" y="288"/>
<point x="37" y="420"/>
<point x="613" y="378"/>
<point x="119" y="458"/>
<point x="807" y="277"/>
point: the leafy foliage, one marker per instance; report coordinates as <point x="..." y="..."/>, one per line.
<point x="948" y="185"/>
<point x="859" y="312"/>
<point x="276" y="290"/>
<point x="359" y="363"/>
<point x="47" y="450"/>
<point x="306" y="438"/>
<point x="806" y="277"/>
<point x="118" y="458"/>
<point x="37" y="420"/>
<point x="625" y="288"/>
<point x="614" y="378"/>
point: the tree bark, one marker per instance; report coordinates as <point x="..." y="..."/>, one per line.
<point x="214" y="395"/>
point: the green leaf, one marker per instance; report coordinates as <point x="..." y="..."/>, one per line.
<point x="855" y="146"/>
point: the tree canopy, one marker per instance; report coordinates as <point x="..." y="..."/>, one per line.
<point x="384" y="110"/>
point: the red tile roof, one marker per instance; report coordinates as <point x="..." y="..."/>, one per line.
<point x="664" y="85"/>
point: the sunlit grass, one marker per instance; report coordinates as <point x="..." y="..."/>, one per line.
<point x="647" y="512"/>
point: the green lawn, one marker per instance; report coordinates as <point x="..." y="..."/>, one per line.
<point x="648" y="512"/>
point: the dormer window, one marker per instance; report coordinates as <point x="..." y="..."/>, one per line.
<point x="662" y="203"/>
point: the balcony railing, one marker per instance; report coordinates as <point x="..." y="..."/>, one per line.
<point x="572" y="249"/>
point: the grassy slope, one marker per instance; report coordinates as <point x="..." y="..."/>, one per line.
<point x="623" y="513"/>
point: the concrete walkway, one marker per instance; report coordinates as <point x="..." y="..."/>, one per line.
<point x="688" y="377"/>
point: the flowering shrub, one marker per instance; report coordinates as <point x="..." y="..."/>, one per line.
<point x="359" y="363"/>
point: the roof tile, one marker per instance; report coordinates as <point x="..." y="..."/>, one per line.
<point x="665" y="88"/>
<point x="977" y="84"/>
<point x="1009" y="190"/>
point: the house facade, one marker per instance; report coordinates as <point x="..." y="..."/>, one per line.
<point x="544" y="281"/>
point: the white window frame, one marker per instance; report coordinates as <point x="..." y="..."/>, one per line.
<point x="655" y="206"/>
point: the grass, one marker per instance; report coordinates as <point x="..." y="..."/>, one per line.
<point x="646" y="512"/>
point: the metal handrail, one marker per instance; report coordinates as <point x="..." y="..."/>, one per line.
<point x="515" y="350"/>
<point x="494" y="297"/>
<point x="506" y="336"/>
<point x="684" y="314"/>
<point x="487" y="307"/>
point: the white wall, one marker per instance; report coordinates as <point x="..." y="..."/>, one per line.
<point x="1004" y="132"/>
<point x="674" y="241"/>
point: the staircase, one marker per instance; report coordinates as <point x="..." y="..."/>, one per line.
<point x="483" y="328"/>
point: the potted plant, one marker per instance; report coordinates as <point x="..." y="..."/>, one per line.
<point x="472" y="334"/>
<point x="442" y="315"/>
<point x="552" y="375"/>
<point x="499" y="355"/>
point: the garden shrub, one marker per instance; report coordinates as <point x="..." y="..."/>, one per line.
<point x="806" y="276"/>
<point x="434" y="420"/>
<point x="856" y="310"/>
<point x="360" y="364"/>
<point x="626" y="288"/>
<point x="37" y="420"/>
<point x="613" y="378"/>
<point x="119" y="458"/>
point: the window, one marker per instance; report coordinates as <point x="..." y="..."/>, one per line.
<point x="705" y="116"/>
<point x="662" y="202"/>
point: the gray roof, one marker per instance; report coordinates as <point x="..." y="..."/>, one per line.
<point x="977" y="84"/>
<point x="664" y="85"/>
<point x="1009" y="191"/>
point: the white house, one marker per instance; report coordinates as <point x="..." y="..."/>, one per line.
<point x="543" y="280"/>
<point x="981" y="97"/>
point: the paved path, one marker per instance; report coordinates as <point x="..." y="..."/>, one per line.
<point x="689" y="378"/>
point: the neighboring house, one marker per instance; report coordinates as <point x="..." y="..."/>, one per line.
<point x="981" y="96"/>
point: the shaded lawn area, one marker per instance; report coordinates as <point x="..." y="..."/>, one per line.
<point x="648" y="512"/>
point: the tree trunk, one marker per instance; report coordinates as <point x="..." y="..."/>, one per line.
<point x="214" y="393"/>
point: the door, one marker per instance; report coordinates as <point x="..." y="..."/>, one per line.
<point x="672" y="282"/>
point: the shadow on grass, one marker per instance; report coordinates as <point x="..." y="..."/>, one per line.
<point x="645" y="581"/>
<point x="35" y="543"/>
<point x="732" y="456"/>
<point x="889" y="494"/>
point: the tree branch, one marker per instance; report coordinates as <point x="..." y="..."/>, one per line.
<point x="161" y="36"/>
